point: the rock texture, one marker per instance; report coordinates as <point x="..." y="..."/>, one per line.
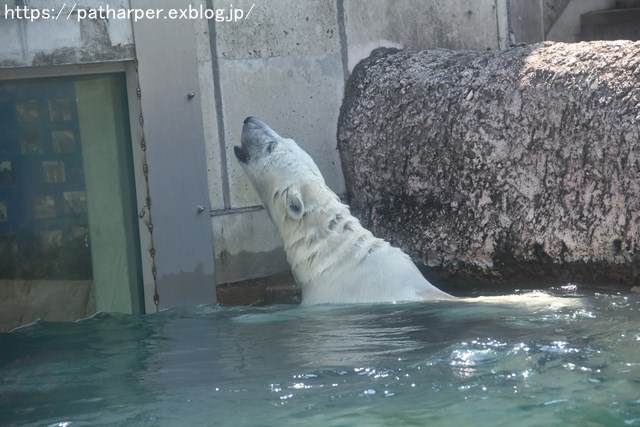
<point x="519" y="167"/>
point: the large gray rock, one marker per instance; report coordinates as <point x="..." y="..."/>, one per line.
<point x="516" y="167"/>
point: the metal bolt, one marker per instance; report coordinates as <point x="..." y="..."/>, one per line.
<point x="191" y="95"/>
<point x="200" y="209"/>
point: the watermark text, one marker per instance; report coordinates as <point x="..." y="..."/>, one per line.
<point x="106" y="12"/>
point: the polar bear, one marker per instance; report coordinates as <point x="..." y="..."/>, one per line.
<point x="333" y="258"/>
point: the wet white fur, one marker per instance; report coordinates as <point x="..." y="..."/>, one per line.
<point x="333" y="258"/>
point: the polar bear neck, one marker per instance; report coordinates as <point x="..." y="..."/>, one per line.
<point x="327" y="233"/>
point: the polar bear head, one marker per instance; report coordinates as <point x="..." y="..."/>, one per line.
<point x="281" y="172"/>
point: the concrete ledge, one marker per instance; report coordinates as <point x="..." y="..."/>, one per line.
<point x="276" y="289"/>
<point x="246" y="246"/>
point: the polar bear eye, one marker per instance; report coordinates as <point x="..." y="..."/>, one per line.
<point x="271" y="146"/>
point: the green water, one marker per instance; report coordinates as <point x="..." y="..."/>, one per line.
<point x="529" y="360"/>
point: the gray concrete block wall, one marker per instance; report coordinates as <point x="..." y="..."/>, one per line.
<point x="420" y="25"/>
<point x="284" y="65"/>
<point x="299" y="96"/>
<point x="66" y="40"/>
<point x="527" y="23"/>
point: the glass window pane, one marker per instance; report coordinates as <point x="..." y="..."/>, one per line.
<point x="68" y="228"/>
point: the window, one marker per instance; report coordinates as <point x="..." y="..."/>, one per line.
<point x="68" y="225"/>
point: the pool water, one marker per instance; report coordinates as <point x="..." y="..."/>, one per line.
<point x="529" y="360"/>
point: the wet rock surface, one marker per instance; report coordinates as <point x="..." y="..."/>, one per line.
<point x="514" y="168"/>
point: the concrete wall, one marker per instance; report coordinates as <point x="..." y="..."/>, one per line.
<point x="27" y="41"/>
<point x="526" y="21"/>
<point x="419" y="25"/>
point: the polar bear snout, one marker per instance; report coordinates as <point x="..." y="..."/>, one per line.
<point x="248" y="138"/>
<point x="255" y="131"/>
<point x="256" y="136"/>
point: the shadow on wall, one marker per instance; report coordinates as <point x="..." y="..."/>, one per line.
<point x="588" y="20"/>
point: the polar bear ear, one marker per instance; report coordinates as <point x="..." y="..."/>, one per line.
<point x="295" y="205"/>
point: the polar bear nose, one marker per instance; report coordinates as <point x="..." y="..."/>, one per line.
<point x="255" y="131"/>
<point x="251" y="119"/>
